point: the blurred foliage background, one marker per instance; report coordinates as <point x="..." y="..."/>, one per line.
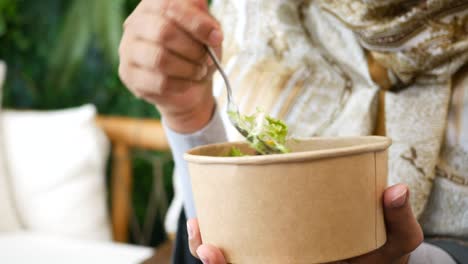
<point x="64" y="53"/>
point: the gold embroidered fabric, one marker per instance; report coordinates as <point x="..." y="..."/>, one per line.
<point x="447" y="209"/>
<point x="423" y="43"/>
<point x="419" y="40"/>
<point x="304" y="62"/>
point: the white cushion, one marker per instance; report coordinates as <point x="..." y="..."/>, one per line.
<point x="57" y="162"/>
<point x="8" y="220"/>
<point x="26" y="248"/>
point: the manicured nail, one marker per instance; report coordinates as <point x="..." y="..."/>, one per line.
<point x="399" y="200"/>
<point x="205" y="260"/>
<point x="216" y="37"/>
<point x="189" y="231"/>
<point x="202" y="257"/>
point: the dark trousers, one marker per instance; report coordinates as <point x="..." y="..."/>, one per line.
<point x="181" y="254"/>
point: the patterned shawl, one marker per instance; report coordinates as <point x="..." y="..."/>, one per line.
<point x="306" y="62"/>
<point x="419" y="40"/>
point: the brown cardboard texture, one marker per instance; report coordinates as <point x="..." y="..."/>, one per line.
<point x="320" y="203"/>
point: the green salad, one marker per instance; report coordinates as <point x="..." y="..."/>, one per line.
<point x="267" y="135"/>
<point x="236" y="152"/>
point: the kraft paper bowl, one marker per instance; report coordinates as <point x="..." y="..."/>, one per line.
<point x="320" y="203"/>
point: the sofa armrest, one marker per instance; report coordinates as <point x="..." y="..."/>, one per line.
<point x="125" y="134"/>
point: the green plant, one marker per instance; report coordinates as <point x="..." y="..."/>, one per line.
<point x="84" y="20"/>
<point x="63" y="53"/>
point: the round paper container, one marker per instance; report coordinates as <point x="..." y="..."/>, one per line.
<point x="320" y="203"/>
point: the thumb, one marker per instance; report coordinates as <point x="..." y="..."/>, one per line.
<point x="404" y="233"/>
<point x="194" y="237"/>
<point x="210" y="255"/>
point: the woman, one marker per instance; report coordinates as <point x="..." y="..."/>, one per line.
<point x="303" y="61"/>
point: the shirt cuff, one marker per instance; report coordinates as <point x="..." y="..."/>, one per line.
<point x="213" y="132"/>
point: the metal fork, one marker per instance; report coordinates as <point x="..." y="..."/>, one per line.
<point x="233" y="110"/>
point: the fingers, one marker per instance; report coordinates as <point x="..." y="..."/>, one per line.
<point x="148" y="85"/>
<point x="188" y="15"/>
<point x="210" y="254"/>
<point x="159" y="59"/>
<point x="404" y="233"/>
<point x="203" y="4"/>
<point x="206" y="253"/>
<point x="162" y="49"/>
<point x="196" y="22"/>
<point x="151" y="28"/>
<point x="194" y="236"/>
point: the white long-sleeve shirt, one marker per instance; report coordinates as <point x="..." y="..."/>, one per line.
<point x="213" y="132"/>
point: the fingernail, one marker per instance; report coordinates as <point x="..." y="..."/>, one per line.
<point x="205" y="260"/>
<point x="202" y="257"/>
<point x="189" y="231"/>
<point x="202" y="72"/>
<point x="216" y="37"/>
<point x="399" y="200"/>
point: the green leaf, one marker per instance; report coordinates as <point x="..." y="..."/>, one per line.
<point x="108" y="20"/>
<point x="72" y="44"/>
<point x="236" y="152"/>
<point x="263" y="130"/>
<point x="3" y="27"/>
<point x="84" y="20"/>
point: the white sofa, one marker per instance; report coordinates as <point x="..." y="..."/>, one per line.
<point x="27" y="247"/>
<point x="52" y="189"/>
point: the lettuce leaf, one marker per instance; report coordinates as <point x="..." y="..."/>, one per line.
<point x="236" y="152"/>
<point x="267" y="135"/>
